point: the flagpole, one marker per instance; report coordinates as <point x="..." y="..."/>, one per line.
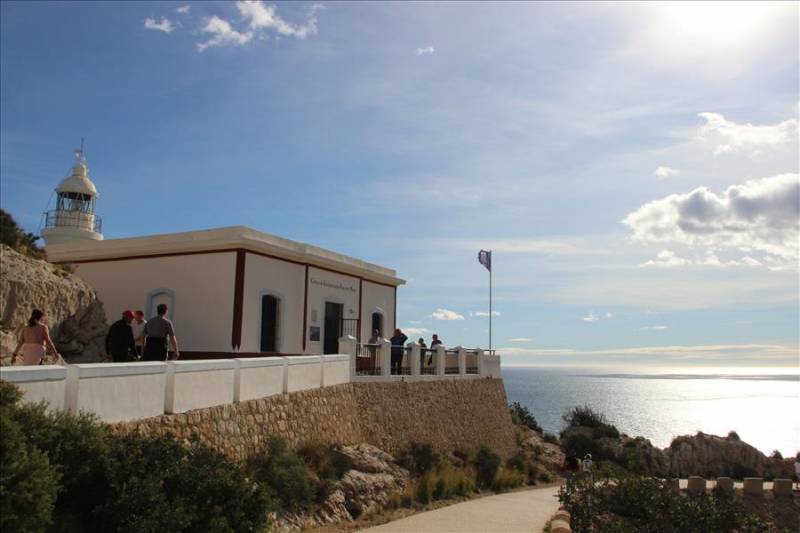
<point x="490" y="305"/>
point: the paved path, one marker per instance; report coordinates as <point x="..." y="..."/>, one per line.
<point x="525" y="511"/>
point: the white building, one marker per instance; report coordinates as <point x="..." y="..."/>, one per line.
<point x="231" y="290"/>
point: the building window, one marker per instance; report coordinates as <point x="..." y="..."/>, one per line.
<point x="269" y="323"/>
<point x="161" y="296"/>
<point x="377" y="323"/>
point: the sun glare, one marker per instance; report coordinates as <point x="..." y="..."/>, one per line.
<point x="717" y="22"/>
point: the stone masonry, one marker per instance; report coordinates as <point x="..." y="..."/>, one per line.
<point x="389" y="415"/>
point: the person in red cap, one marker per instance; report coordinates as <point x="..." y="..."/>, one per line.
<point x="120" y="344"/>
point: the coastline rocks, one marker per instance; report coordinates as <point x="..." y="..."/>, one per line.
<point x="712" y="456"/>
<point x="75" y="316"/>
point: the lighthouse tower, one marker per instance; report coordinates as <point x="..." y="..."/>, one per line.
<point x="73" y="219"/>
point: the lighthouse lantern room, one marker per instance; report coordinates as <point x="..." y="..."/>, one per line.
<point x="74" y="218"/>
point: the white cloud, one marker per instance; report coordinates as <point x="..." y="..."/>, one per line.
<point x="653" y="328"/>
<point x="484" y="313"/>
<point x="760" y="215"/>
<point x="183" y="9"/>
<point x="223" y="34"/>
<point x="666" y="258"/>
<point x="264" y="16"/>
<point x="591" y="317"/>
<point x="727" y="136"/>
<point x="164" y="25"/>
<point x="415" y="331"/>
<point x="428" y="50"/>
<point x="609" y="315"/>
<point x="663" y="172"/>
<point x="446" y="314"/>
<point x="520" y="339"/>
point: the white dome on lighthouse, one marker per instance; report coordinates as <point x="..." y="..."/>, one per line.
<point x="74" y="219"/>
<point x="78" y="181"/>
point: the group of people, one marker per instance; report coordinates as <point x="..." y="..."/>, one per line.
<point x="398" y="341"/>
<point x="133" y="338"/>
<point x="572" y="465"/>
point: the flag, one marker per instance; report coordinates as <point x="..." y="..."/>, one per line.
<point x="485" y="258"/>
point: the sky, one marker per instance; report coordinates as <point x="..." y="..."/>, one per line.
<point x="632" y="166"/>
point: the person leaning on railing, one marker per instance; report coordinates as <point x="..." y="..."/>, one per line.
<point x="398" y="342"/>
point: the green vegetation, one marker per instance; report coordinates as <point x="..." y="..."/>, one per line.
<point x="522" y="416"/>
<point x="69" y="473"/>
<point x="588" y="431"/>
<point x="18" y="239"/>
<point x="614" y="501"/>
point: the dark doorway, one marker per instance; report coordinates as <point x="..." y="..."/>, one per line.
<point x="333" y="327"/>
<point x="269" y="323"/>
<point x="377" y="323"/>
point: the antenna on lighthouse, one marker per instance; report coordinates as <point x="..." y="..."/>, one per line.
<point x="79" y="154"/>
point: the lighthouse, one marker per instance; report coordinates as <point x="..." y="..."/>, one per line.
<point x="74" y="217"/>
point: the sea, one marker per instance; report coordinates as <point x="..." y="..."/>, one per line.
<point x="762" y="406"/>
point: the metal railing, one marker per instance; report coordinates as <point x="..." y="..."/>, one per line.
<point x="368" y="359"/>
<point x="427" y="361"/>
<point x="472" y="362"/>
<point x="350" y="326"/>
<point x="73" y="219"/>
<point x="451" y="362"/>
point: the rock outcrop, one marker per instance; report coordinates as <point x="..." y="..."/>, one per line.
<point x="366" y="487"/>
<point x="704" y="455"/>
<point x="712" y="456"/>
<point x="75" y="316"/>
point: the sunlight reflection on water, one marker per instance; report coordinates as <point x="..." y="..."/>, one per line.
<point x="762" y="410"/>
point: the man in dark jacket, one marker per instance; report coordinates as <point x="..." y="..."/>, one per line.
<point x="398" y="344"/>
<point x="120" y="344"/>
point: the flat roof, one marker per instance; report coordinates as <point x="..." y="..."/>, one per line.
<point x="219" y="239"/>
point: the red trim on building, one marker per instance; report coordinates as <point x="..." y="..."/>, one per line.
<point x="305" y="310"/>
<point x="238" y="300"/>
<point x="225" y="250"/>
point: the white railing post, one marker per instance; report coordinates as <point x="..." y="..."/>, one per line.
<point x="480" y="361"/>
<point x="386" y="358"/>
<point x="348" y="345"/>
<point x="462" y="360"/>
<point x="414" y="358"/>
<point x="440" y="359"/>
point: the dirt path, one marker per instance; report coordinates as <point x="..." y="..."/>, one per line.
<point x="524" y="511"/>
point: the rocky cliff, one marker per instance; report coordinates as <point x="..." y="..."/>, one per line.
<point x="75" y="316"/>
<point x="705" y="455"/>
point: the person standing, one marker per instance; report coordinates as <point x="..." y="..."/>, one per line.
<point x="120" y="344"/>
<point x="398" y="343"/>
<point x="586" y="464"/>
<point x="158" y="332"/>
<point x="137" y="326"/>
<point x="434" y="343"/>
<point x="33" y="339"/>
<point x="422" y="349"/>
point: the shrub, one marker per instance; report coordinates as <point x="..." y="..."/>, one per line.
<point x="286" y="476"/>
<point x="522" y="416"/>
<point x="506" y="479"/>
<point x="465" y="455"/>
<point x="111" y="483"/>
<point x="579" y="441"/>
<point x="622" y="502"/>
<point x="586" y="417"/>
<point x="424" y="492"/>
<point x="731" y="435"/>
<point x="18" y="239"/>
<point x="550" y="438"/>
<point x="28" y="482"/>
<point x="418" y="458"/>
<point x="327" y="462"/>
<point x="486" y="465"/>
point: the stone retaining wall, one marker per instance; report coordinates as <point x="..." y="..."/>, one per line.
<point x="446" y="414"/>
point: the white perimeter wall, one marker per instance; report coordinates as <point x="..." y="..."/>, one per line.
<point x="285" y="280"/>
<point x="202" y="284"/>
<point x="337" y="288"/>
<point x="377" y="298"/>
